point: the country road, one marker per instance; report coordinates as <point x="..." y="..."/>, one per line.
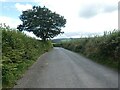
<point x="61" y="68"/>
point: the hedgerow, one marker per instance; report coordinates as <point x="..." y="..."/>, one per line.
<point x="103" y="49"/>
<point x="18" y="53"/>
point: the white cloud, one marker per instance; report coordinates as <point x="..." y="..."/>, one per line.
<point x="16" y="0"/>
<point x="106" y="18"/>
<point x="21" y="7"/>
<point x="2" y="0"/>
<point x="10" y="21"/>
<point x="30" y="34"/>
<point x="90" y="10"/>
<point x="105" y="15"/>
<point x="13" y="23"/>
<point x="95" y="9"/>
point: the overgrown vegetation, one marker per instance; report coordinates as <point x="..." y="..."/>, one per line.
<point x="18" y="53"/>
<point x="103" y="49"/>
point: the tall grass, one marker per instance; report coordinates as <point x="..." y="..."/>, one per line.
<point x="18" y="53"/>
<point x="103" y="49"/>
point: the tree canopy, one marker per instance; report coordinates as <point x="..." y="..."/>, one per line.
<point x="42" y="22"/>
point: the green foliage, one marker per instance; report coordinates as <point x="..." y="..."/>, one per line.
<point x="103" y="49"/>
<point x="18" y="53"/>
<point x="42" y="22"/>
<point x="57" y="45"/>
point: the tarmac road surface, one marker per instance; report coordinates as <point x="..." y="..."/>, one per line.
<point x="61" y="68"/>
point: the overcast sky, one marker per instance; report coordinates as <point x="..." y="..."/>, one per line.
<point x="84" y="17"/>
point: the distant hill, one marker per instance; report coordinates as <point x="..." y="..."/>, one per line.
<point x="60" y="40"/>
<point x="64" y="39"/>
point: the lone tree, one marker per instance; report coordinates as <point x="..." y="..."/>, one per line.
<point x="42" y="22"/>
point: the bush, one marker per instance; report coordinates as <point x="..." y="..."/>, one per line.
<point x="104" y="49"/>
<point x="18" y="53"/>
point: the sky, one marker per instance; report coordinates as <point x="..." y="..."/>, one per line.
<point x="84" y="17"/>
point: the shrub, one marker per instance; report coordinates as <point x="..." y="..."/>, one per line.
<point x="18" y="53"/>
<point x="104" y="49"/>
